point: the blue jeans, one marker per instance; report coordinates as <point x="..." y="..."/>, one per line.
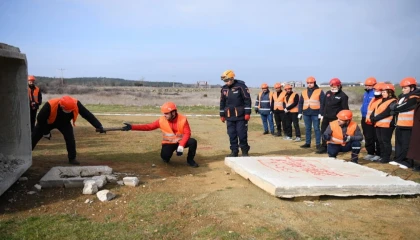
<point x="310" y="120"/>
<point x="268" y="118"/>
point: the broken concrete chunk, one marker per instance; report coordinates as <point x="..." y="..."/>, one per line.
<point x="131" y="181"/>
<point x="120" y="183"/>
<point x="90" y="187"/>
<point x="105" y="195"/>
<point x="100" y="180"/>
<point x="38" y="187"/>
<point x="22" y="179"/>
<point x="111" y="178"/>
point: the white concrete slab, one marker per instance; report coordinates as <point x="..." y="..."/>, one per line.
<point x="287" y="177"/>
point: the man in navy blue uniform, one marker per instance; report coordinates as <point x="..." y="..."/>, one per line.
<point x="235" y="110"/>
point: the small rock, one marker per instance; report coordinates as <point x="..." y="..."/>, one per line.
<point x="131" y="181"/>
<point x="22" y="179"/>
<point x="31" y="192"/>
<point x="120" y="183"/>
<point x="38" y="187"/>
<point x="153" y="165"/>
<point x="87" y="200"/>
<point x="105" y="195"/>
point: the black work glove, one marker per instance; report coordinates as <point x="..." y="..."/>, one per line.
<point x="127" y="127"/>
<point x="101" y="130"/>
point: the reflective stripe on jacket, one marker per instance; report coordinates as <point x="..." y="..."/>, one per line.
<point x="168" y="135"/>
<point x="54" y="107"/>
<point x="314" y="101"/>
<point x="385" y="122"/>
<point x="406" y="119"/>
<point x="278" y="100"/>
<point x="337" y="132"/>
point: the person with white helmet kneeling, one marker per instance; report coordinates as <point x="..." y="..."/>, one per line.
<point x="343" y="135"/>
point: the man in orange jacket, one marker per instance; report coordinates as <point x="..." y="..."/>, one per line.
<point x="176" y="133"/>
<point x="35" y="99"/>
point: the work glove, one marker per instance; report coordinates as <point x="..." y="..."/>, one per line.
<point x="101" y="130"/>
<point x="223" y="119"/>
<point x="256" y="111"/>
<point x="300" y="115"/>
<point x="347" y="138"/>
<point x="286" y="111"/>
<point x="320" y="117"/>
<point x="127" y="127"/>
<point x="247" y="117"/>
<point x="271" y="112"/>
<point x="47" y="136"/>
<point x="179" y="150"/>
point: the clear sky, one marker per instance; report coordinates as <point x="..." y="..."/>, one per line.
<point x="196" y="40"/>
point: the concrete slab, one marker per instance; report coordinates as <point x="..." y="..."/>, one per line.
<point x="72" y="176"/>
<point x="288" y="177"/>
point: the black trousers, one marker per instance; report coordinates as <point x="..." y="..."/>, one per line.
<point x="33" y="118"/>
<point x="168" y="149"/>
<point x="238" y="130"/>
<point x="371" y="141"/>
<point x="66" y="130"/>
<point x="324" y="125"/>
<point x="384" y="136"/>
<point x="402" y="141"/>
<point x="279" y="119"/>
<point x="290" y="118"/>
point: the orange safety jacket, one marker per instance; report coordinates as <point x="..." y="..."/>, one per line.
<point x="54" y="107"/>
<point x="406" y="119"/>
<point x="278" y="100"/>
<point x="372" y="105"/>
<point x="35" y="94"/>
<point x="290" y="102"/>
<point x="168" y="135"/>
<point x="385" y="122"/>
<point x="313" y="102"/>
<point x="337" y="132"/>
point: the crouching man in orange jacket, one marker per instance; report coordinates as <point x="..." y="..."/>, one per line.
<point x="343" y="135"/>
<point x="176" y="133"/>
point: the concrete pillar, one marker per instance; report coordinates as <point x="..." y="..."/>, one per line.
<point x="15" y="129"/>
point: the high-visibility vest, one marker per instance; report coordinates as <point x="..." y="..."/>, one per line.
<point x="278" y="100"/>
<point x="270" y="96"/>
<point x="406" y="119"/>
<point x="168" y="135"/>
<point x="54" y="107"/>
<point x="386" y="122"/>
<point x="372" y="105"/>
<point x="291" y="101"/>
<point x="313" y="102"/>
<point x="337" y="132"/>
<point x="35" y="95"/>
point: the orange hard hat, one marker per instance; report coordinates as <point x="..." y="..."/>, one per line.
<point x="408" y="81"/>
<point x="264" y="85"/>
<point x="379" y="86"/>
<point x="31" y="78"/>
<point x="388" y="86"/>
<point x="310" y="80"/>
<point x="168" y="107"/>
<point x="228" y="74"/>
<point x="335" y="82"/>
<point x="345" y="115"/>
<point x="370" y="81"/>
<point x="68" y="103"/>
<point x="277" y="85"/>
<point x="288" y="86"/>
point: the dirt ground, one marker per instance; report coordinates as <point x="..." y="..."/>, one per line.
<point x="210" y="197"/>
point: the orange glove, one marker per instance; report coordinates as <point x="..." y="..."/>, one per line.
<point x="222" y="119"/>
<point x="247" y="117"/>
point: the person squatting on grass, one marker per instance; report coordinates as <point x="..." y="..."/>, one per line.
<point x="176" y="133"/>
<point x="343" y="135"/>
<point x="57" y="113"/>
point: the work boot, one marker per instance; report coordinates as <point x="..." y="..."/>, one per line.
<point x="354" y="158"/>
<point x="73" y="162"/>
<point x="306" y="145"/>
<point x="272" y="133"/>
<point x="245" y="151"/>
<point x="192" y="163"/>
<point x="233" y="154"/>
<point x="321" y="149"/>
<point x="278" y="134"/>
<point x="165" y="160"/>
<point x="265" y="132"/>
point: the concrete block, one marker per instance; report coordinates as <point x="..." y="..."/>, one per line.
<point x="72" y="176"/>
<point x="131" y="181"/>
<point x="105" y="195"/>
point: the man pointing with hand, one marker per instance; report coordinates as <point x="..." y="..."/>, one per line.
<point x="176" y="133"/>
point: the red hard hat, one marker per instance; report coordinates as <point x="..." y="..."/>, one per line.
<point x="345" y="115"/>
<point x="264" y="85"/>
<point x="277" y="85"/>
<point x="31" y="78"/>
<point x="335" y="82"/>
<point x="168" y="107"/>
<point x="68" y="103"/>
<point x="288" y="86"/>
<point x="408" y="81"/>
<point x="310" y="80"/>
<point x="388" y="86"/>
<point x="370" y="81"/>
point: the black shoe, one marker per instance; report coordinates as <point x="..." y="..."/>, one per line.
<point x="245" y="152"/>
<point x="273" y="133"/>
<point x="321" y="150"/>
<point x="306" y="145"/>
<point x="355" y="161"/>
<point x="192" y="163"/>
<point x="416" y="169"/>
<point x="233" y="154"/>
<point x="384" y="161"/>
<point x="265" y="132"/>
<point x="73" y="162"/>
<point x="278" y="134"/>
<point x="165" y="160"/>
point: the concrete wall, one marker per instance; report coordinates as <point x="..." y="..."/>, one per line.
<point x="15" y="129"/>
